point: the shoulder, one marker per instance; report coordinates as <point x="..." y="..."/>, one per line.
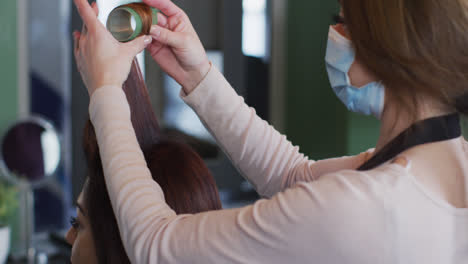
<point x="349" y="193"/>
<point x="345" y="211"/>
<point x="352" y="194"/>
<point x="330" y="166"/>
<point x="372" y="183"/>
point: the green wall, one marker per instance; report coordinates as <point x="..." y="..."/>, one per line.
<point x="315" y="118"/>
<point x="362" y="133"/>
<point x="8" y="64"/>
<point x="9" y="79"/>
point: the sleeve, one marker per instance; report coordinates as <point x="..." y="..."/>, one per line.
<point x="317" y="221"/>
<point x="261" y="154"/>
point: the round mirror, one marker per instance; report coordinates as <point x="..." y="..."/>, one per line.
<point x="30" y="149"/>
<point x="29" y="156"/>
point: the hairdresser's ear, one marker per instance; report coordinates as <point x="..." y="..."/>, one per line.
<point x="138" y="45"/>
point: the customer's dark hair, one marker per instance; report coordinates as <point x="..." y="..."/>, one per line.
<point x="187" y="183"/>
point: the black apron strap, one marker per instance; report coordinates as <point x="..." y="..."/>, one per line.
<point x="426" y="131"/>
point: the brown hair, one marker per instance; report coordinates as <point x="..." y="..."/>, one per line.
<point x="146" y="16"/>
<point x="416" y="47"/>
<point x="187" y="183"/>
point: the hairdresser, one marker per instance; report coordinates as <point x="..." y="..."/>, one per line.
<point x="406" y="201"/>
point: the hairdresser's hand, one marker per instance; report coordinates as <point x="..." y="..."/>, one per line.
<point x="176" y="46"/>
<point x="101" y="59"/>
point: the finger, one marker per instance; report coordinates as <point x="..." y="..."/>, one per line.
<point x="87" y="13"/>
<point x="155" y="47"/>
<point x="76" y="51"/>
<point x="167" y="37"/>
<point x="166" y="6"/>
<point x="162" y="20"/>
<point x="75" y="43"/>
<point x="84" y="29"/>
<point x="138" y="45"/>
<point x="76" y="39"/>
<point x="81" y="43"/>
<point x="95" y="8"/>
<point x="167" y="61"/>
<point x="402" y="161"/>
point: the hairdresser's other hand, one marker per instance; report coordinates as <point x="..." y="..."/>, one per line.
<point x="176" y="46"/>
<point x="100" y="58"/>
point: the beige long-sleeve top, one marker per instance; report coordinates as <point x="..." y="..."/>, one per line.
<point x="314" y="212"/>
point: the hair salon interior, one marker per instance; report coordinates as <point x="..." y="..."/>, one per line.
<point x="272" y="51"/>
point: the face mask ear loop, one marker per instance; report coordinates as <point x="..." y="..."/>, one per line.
<point x="336" y="36"/>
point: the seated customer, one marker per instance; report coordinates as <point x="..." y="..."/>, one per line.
<point x="187" y="183"/>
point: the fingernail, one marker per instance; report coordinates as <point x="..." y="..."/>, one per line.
<point x="155" y="32"/>
<point x="148" y="40"/>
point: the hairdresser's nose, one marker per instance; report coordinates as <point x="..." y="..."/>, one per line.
<point x="70" y="236"/>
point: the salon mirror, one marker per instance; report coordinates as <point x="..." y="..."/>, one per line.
<point x="29" y="157"/>
<point x="30" y="149"/>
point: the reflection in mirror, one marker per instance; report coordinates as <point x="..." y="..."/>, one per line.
<point x="30" y="155"/>
<point x="31" y="150"/>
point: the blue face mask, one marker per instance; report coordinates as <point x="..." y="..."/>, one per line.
<point x="340" y="55"/>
